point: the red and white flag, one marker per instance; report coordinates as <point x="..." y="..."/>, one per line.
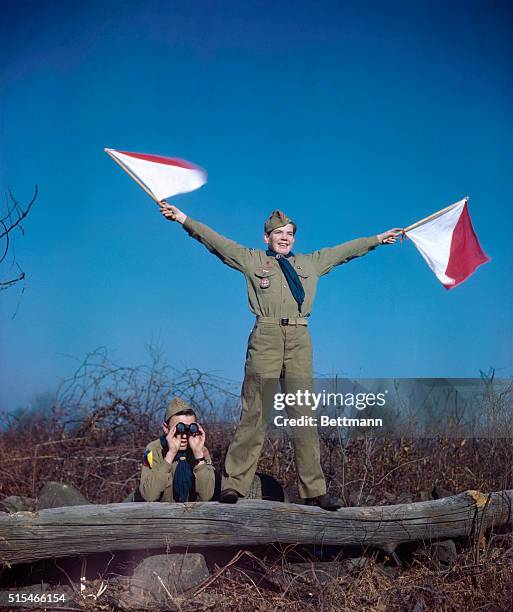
<point x="161" y="177"/>
<point x="448" y="243"/>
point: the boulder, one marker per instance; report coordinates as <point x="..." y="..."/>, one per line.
<point x="58" y="494"/>
<point x="17" y="503"/>
<point x="161" y="577"/>
<point x="438" y="555"/>
<point x="356" y="563"/>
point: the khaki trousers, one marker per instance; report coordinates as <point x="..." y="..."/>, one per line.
<point x="274" y="353"/>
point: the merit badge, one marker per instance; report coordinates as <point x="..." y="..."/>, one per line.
<point x="264" y="283"/>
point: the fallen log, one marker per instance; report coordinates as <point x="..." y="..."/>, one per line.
<point x="79" y="530"/>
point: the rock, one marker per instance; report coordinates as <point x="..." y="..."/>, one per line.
<point x="161" y="577"/>
<point x="17" y="503"/>
<point x="58" y="494"/>
<point x="319" y="571"/>
<point x="129" y="498"/>
<point x="439" y="555"/>
<point x="356" y="563"/>
<point x="291" y="576"/>
<point x="444" y="552"/>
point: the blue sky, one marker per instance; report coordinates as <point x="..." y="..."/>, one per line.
<point x="353" y="118"/>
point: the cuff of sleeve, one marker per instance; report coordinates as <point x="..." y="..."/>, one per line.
<point x="374" y="240"/>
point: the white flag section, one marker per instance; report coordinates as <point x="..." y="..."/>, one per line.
<point x="449" y="244"/>
<point x="161" y="177"/>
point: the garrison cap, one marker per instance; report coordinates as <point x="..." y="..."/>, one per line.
<point x="176" y="405"/>
<point x="277" y="219"/>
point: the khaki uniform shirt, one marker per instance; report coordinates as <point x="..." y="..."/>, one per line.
<point x="268" y="292"/>
<point x="157" y="476"/>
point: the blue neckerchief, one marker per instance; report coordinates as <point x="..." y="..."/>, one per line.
<point x="182" y="481"/>
<point x="291" y="276"/>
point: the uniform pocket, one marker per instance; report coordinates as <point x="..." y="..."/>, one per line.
<point x="263" y="278"/>
<point x="302" y="272"/>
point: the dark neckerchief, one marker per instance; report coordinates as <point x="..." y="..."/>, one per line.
<point x="291" y="276"/>
<point x="183" y="478"/>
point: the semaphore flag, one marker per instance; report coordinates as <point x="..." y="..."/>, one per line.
<point x="448" y="243"/>
<point x="161" y="177"/>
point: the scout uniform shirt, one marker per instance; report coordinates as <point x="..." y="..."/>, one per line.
<point x="268" y="292"/>
<point x="157" y="476"/>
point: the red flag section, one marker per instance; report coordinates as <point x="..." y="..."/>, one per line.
<point x="449" y="244"/>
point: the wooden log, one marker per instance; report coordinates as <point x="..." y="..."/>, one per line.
<point x="78" y="530"/>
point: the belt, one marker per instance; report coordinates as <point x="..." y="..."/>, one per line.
<point x="283" y="321"/>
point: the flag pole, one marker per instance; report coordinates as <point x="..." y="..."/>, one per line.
<point x="433" y="216"/>
<point x="131" y="175"/>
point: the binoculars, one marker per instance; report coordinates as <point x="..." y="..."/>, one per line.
<point x="188" y="430"/>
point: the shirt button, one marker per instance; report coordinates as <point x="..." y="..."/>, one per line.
<point x="284" y="286"/>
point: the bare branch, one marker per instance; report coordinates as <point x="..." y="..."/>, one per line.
<point x="7" y="242"/>
<point x="13" y="281"/>
<point x="22" y="214"/>
<point x="11" y="221"/>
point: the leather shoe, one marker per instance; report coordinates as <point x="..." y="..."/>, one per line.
<point x="228" y="496"/>
<point x="326" y="502"/>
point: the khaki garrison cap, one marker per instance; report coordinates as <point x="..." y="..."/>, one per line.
<point x="176" y="405"/>
<point x="277" y="219"/>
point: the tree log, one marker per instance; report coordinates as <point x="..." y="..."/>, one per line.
<point x="79" y="530"/>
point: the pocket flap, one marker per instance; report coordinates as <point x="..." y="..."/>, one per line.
<point x="302" y="272"/>
<point x="264" y="271"/>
